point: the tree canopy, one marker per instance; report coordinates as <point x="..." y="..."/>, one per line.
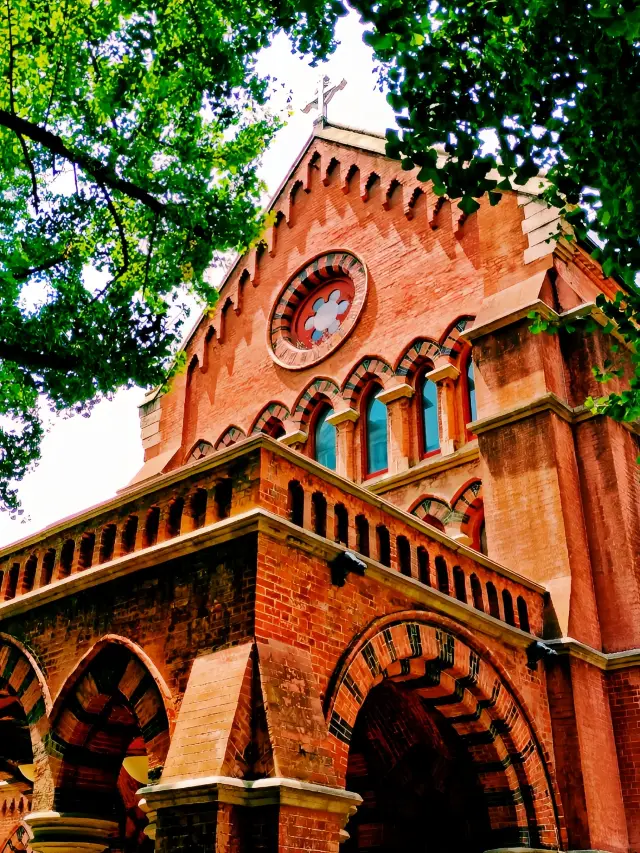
<point x="130" y="134"/>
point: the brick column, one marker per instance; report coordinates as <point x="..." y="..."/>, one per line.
<point x="54" y="832"/>
<point x="397" y="400"/>
<point x="228" y="815"/>
<point x="344" y="422"/>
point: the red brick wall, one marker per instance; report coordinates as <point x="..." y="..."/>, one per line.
<point x="624" y="698"/>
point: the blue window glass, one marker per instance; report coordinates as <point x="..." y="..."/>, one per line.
<point x="325" y="441"/>
<point x="430" y="434"/>
<point x="471" y="389"/>
<point x="376" y="429"/>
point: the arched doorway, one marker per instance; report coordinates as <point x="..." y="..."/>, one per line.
<point x="112" y="733"/>
<point x="432" y="736"/>
<point x="417" y="781"/>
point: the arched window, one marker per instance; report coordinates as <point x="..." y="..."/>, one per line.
<point x="48" y="563"/>
<point x="107" y="543"/>
<point x="459" y="584"/>
<point x="375" y="433"/>
<point x="471" y="390"/>
<point x="319" y="513"/>
<point x="384" y="545"/>
<point x="403" y="549"/>
<point x="222" y="497"/>
<point x="129" y="532"/>
<point x="362" y="535"/>
<point x="324" y="439"/>
<point x="423" y="565"/>
<point x="296" y="503"/>
<point x="199" y="508"/>
<point x="492" y="597"/>
<point x="523" y="614"/>
<point x="341" y="520"/>
<point x="476" y="592"/>
<point x="507" y="603"/>
<point x="442" y="575"/>
<point x="429" y="427"/>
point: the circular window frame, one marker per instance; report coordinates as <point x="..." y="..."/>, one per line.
<point x="335" y="263"/>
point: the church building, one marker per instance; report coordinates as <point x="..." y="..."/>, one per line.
<point x="377" y="585"/>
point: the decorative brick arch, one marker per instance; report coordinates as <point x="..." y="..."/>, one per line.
<point x="22" y="677"/>
<point x="421" y="350"/>
<point x="451" y="343"/>
<point x="230" y="436"/>
<point x="113" y="696"/>
<point x="366" y="370"/>
<point x="465" y="687"/>
<point x="317" y="391"/>
<point x="468" y="510"/>
<point x="272" y="412"/>
<point x="200" y="449"/>
<point x="430" y="506"/>
<point x="18" y="841"/>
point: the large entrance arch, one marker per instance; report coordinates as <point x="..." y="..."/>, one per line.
<point x="420" y="717"/>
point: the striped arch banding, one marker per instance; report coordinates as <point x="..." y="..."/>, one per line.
<point x="337" y="265"/>
<point x="115" y="700"/>
<point x="419" y="352"/>
<point x="229" y="436"/>
<point x="456" y="682"/>
<point x="321" y="389"/>
<point x="203" y="448"/>
<point x="467" y="507"/>
<point x="453" y="344"/>
<point x="18" y="678"/>
<point x="18" y="841"/>
<point x="433" y="507"/>
<point x="274" y="411"/>
<point x="369" y="368"/>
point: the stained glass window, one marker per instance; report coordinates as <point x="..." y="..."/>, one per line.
<point x="376" y="435"/>
<point x="325" y="440"/>
<point x="430" y="432"/>
<point x="471" y="389"/>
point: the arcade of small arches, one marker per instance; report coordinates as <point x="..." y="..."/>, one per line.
<point x="433" y="382"/>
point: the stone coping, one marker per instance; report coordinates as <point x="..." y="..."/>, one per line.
<point x="425" y="468"/>
<point x="261" y="792"/>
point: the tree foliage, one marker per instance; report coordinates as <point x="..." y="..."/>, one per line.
<point x="130" y="132"/>
<point x="557" y="82"/>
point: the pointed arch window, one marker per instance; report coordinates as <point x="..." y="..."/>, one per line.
<point x="429" y="421"/>
<point x="324" y="439"/>
<point x="375" y="433"/>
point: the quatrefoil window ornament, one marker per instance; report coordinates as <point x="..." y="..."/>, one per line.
<point x="327" y="315"/>
<point x="317" y="309"/>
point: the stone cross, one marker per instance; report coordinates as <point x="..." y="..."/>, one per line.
<point x="324" y="94"/>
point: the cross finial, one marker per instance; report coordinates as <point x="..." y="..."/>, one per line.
<point x="324" y="94"/>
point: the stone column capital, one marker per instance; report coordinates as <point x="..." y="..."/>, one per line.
<point x="55" y="832"/>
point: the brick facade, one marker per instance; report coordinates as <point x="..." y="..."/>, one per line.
<point x="248" y="652"/>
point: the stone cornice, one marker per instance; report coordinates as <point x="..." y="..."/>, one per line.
<point x="261" y="792"/>
<point x="607" y="661"/>
<point x="543" y="403"/>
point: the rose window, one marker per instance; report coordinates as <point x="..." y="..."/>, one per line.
<point x="317" y="309"/>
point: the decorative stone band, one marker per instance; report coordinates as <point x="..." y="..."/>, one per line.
<point x="239" y="792"/>
<point x="55" y="832"/>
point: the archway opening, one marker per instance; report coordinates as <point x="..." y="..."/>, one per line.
<point x="17" y="772"/>
<point x="111" y="732"/>
<point x="419" y="787"/>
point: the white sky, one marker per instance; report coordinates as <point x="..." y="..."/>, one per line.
<point x="86" y="460"/>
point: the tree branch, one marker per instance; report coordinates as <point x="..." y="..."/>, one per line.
<point x="23" y="274"/>
<point x="99" y="172"/>
<point x="23" y="144"/>
<point x="36" y="361"/>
